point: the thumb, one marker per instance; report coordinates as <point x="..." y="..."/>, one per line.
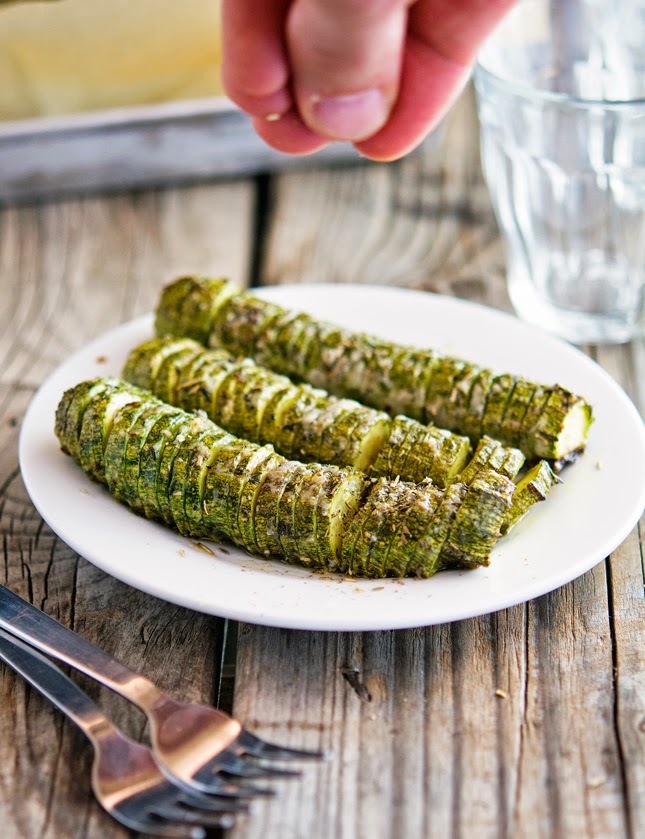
<point x="345" y="57"/>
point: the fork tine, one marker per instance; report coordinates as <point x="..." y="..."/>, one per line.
<point x="240" y="767"/>
<point x="208" y="784"/>
<point x="212" y="803"/>
<point x="255" y="746"/>
<point x="189" y="816"/>
<point x="206" y="780"/>
<point x="160" y="827"/>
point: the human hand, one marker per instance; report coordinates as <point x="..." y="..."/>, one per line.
<point x="379" y="74"/>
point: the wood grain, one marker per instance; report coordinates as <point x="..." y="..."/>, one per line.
<point x="68" y="271"/>
<point x="527" y="722"/>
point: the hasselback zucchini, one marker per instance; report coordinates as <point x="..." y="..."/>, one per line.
<point x="300" y="421"/>
<point x="181" y="469"/>
<point x="544" y="421"/>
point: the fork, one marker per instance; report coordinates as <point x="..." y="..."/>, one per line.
<point x="125" y="777"/>
<point x="192" y="743"/>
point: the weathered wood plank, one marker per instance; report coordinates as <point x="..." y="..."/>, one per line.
<point x="626" y="581"/>
<point x="526" y="722"/>
<point x="506" y="725"/>
<point x="68" y="271"/>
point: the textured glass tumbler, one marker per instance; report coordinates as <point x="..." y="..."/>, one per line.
<point x="561" y="102"/>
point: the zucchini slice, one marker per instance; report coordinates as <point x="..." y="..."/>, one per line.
<point x="478" y="522"/>
<point x="185" y="430"/>
<point x="182" y="469"/>
<point x="409" y="377"/>
<point x="195" y="446"/>
<point x="363" y="548"/>
<point x="349" y="364"/>
<point x="287" y="525"/>
<point x="247" y="513"/>
<point x="269" y="496"/>
<point x="419" y="504"/>
<point x="115" y="455"/>
<point x="162" y="430"/>
<point x="516" y="409"/>
<point x="202" y="456"/>
<point x="425" y="558"/>
<point x="531" y="489"/>
<point x="415" y="452"/>
<point x="472" y="422"/>
<point x="188" y="306"/>
<point x="222" y="485"/>
<point x="436" y="454"/>
<point x="96" y="426"/>
<point x="499" y="394"/>
<point x="248" y="472"/>
<point x="336" y="506"/>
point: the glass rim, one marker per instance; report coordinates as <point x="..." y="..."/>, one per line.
<point x="553" y="96"/>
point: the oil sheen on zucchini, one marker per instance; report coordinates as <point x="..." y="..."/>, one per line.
<point x="300" y="421"/>
<point x="545" y="421"/>
<point x="185" y="471"/>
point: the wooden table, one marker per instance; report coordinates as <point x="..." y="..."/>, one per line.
<point x="525" y="723"/>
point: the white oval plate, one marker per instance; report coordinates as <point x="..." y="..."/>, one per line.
<point x="583" y="520"/>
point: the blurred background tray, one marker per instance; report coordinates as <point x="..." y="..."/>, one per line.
<point x="137" y="146"/>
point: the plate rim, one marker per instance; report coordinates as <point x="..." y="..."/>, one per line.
<point x="380" y="622"/>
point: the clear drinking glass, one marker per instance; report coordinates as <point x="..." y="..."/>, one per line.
<point x="561" y="101"/>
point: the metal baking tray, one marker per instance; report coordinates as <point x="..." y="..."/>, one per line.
<point x="130" y="147"/>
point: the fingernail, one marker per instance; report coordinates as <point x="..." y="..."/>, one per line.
<point x="355" y="116"/>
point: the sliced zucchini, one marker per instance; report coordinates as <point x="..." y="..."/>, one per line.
<point x="363" y="547"/>
<point x="183" y="470"/>
<point x="124" y="428"/>
<point x="247" y="513"/>
<point x="531" y="489"/>
<point x="290" y="420"/>
<point x="426" y="552"/>
<point x="336" y="506"/>
<point x="474" y="417"/>
<point x="415" y="452"/>
<point x="169" y="372"/>
<point x="188" y="306"/>
<point x="175" y="436"/>
<point x="363" y="367"/>
<point x="418" y="505"/>
<point x="247" y="472"/>
<point x="287" y="526"/>
<point x="240" y="321"/>
<point x="407" y="383"/>
<point x="209" y="444"/>
<point x="516" y="409"/>
<point x="222" y="484"/>
<point x="267" y="502"/>
<point x="96" y="427"/>
<point x="499" y="394"/>
<point x="441" y="386"/>
<point x="394" y="451"/>
<point x="162" y="431"/>
<point x="436" y="454"/>
<point x="478" y="522"/>
<point x="196" y="443"/>
<point x="305" y="497"/>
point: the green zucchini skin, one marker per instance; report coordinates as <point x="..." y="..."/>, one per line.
<point x="478" y="521"/>
<point x="300" y="421"/>
<point x="531" y="489"/>
<point x="183" y="470"/>
<point x="362" y="367"/>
